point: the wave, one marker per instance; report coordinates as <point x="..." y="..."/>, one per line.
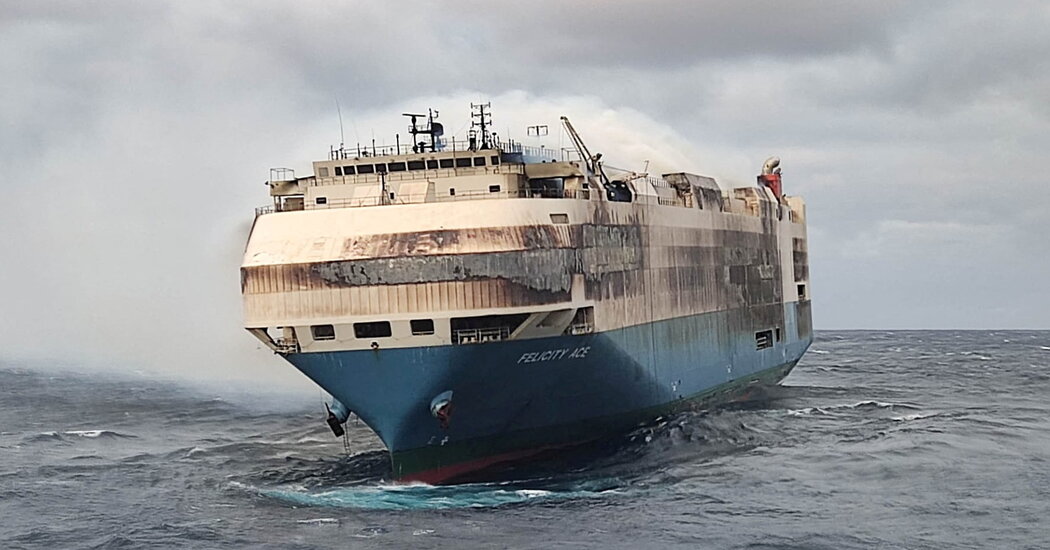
<point x="43" y="437"/>
<point x="910" y="417"/>
<point x="808" y="411"/>
<point x="860" y="405"/>
<point x="319" y="521"/>
<point x="875" y="405"/>
<point x="71" y="435"/>
<point x="95" y="434"/>
<point x="417" y="496"/>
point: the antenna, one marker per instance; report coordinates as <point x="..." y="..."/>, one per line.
<point x="433" y="129"/>
<point x="483" y="122"/>
<point x="340" y="111"/>
<point x="538" y="130"/>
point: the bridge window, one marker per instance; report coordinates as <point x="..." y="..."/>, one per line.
<point x="323" y="332"/>
<point x="447" y="163"/>
<point x="422" y="327"/>
<point x="463" y="162"/>
<point x="495" y="160"/>
<point x="397" y="166"/>
<point x="375" y="329"/>
<point x="416" y="165"/>
<point x="479" y="161"/>
<point x="322" y="172"/>
<point x="348" y="170"/>
<point x="432" y="164"/>
<point x="494" y="189"/>
<point x="339" y="170"/>
<point x="365" y="169"/>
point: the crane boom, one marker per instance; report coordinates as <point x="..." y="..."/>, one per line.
<point x="591" y="161"/>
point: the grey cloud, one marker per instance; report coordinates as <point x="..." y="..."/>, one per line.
<point x="674" y="33"/>
<point x="135" y="138"/>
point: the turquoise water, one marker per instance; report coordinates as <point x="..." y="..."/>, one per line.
<point x="428" y="497"/>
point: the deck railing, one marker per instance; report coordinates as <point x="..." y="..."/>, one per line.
<point x="419" y="198"/>
<point x="480" y="335"/>
<point x="448" y="146"/>
<point x="580" y="328"/>
<point x="360" y="202"/>
<point x="286" y="345"/>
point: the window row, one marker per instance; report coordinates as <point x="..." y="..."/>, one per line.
<point x="419" y="164"/>
<point x="373" y="329"/>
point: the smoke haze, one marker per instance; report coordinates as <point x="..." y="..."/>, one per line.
<point x="136" y="139"/>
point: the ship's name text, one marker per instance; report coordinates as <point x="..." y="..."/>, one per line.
<point x="554" y="355"/>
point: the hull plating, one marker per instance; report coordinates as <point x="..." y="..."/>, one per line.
<point x="513" y="397"/>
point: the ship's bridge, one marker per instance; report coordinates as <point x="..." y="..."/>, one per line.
<point x="397" y="175"/>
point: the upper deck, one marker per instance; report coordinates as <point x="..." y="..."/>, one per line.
<point x="458" y="170"/>
<point x="562" y="243"/>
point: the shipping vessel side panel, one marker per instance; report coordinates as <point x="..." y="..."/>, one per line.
<point x="513" y="394"/>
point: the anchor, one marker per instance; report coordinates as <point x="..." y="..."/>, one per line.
<point x="441" y="408"/>
<point x="337" y="415"/>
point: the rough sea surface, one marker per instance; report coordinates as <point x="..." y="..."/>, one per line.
<point x="916" y="439"/>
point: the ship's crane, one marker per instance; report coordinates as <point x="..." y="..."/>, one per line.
<point x="593" y="162"/>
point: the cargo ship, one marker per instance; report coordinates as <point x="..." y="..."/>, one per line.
<point x="478" y="301"/>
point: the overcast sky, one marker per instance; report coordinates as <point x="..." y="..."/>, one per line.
<point x="135" y="138"/>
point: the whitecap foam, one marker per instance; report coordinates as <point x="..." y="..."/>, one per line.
<point x="874" y="404"/>
<point x="319" y="521"/>
<point x="829" y="409"/>
<point x="94" y="434"/>
<point x="910" y="417"/>
<point x="308" y="439"/>
<point x="85" y="433"/>
<point x="806" y="411"/>
<point x="424" y="497"/>
<point x="194" y="451"/>
<point x="533" y="493"/>
<point x="44" y="437"/>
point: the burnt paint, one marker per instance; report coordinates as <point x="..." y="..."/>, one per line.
<point x="735" y="268"/>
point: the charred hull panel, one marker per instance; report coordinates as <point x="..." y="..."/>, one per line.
<point x="509" y="399"/>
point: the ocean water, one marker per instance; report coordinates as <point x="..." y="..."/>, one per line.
<point x="914" y="439"/>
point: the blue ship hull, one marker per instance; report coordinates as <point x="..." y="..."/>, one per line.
<point x="513" y="398"/>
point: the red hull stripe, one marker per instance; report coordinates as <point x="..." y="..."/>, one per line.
<point x="443" y="474"/>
